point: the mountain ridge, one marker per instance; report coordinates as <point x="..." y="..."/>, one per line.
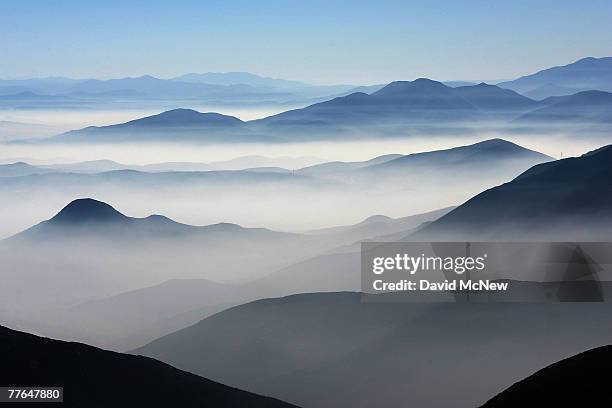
<point x="86" y="373"/>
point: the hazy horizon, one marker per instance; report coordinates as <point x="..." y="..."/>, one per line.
<point x="445" y="40"/>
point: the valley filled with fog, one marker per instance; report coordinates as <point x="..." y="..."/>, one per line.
<point x="215" y="224"/>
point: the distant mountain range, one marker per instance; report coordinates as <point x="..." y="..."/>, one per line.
<point x="243" y="87"/>
<point x="217" y="88"/>
<point x="239" y="78"/>
<point x="584" y="109"/>
<point x="569" y="199"/>
<point x="341" y="349"/>
<point x="580" y="380"/>
<point x="585" y="74"/>
<point x="250" y="162"/>
<point x="504" y="155"/>
<point x="422" y="103"/>
<point x="18" y="169"/>
<point x="87" y="373"/>
<point x="402" y="108"/>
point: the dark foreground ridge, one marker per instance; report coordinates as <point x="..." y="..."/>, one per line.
<point x="92" y="377"/>
<point x="578" y="381"/>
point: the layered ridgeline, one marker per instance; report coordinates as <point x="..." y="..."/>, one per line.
<point x="281" y="199"/>
<point x="587" y="112"/>
<point x="18" y="169"/>
<point x="400" y="106"/>
<point x="464" y="161"/>
<point x="585" y="74"/>
<point x="223" y="87"/>
<point x="399" y="109"/>
<point x="64" y="275"/>
<point x="92" y="377"/>
<point x="580" y="380"/>
<point x="563" y="200"/>
<point x="89" y="250"/>
<point x="337" y="349"/>
<point x="149" y="91"/>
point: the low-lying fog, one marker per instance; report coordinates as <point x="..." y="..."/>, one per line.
<point x="286" y="201"/>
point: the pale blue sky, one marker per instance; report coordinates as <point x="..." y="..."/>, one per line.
<point x="315" y="41"/>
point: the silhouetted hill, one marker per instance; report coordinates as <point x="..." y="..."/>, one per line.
<point x="93" y="218"/>
<point x="87" y="210"/>
<point x="581" y="380"/>
<point x="185" y="117"/>
<point x="569" y="199"/>
<point x="465" y="164"/>
<point x="422" y="94"/>
<point x="92" y="377"/>
<point x="97" y="252"/>
<point x="488" y="151"/>
<point x="174" y="125"/>
<point x="587" y="73"/>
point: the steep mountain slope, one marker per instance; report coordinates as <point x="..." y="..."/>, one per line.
<point x="585" y="74"/>
<point x="563" y="200"/>
<point x="339" y="349"/>
<point x="93" y="377"/>
<point x="580" y="380"/>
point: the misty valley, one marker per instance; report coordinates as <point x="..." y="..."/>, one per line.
<point x="219" y="254"/>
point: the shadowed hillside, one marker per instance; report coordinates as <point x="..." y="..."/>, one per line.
<point x="569" y="199"/>
<point x="580" y="380"/>
<point x="341" y="349"/>
<point x="92" y="377"/>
